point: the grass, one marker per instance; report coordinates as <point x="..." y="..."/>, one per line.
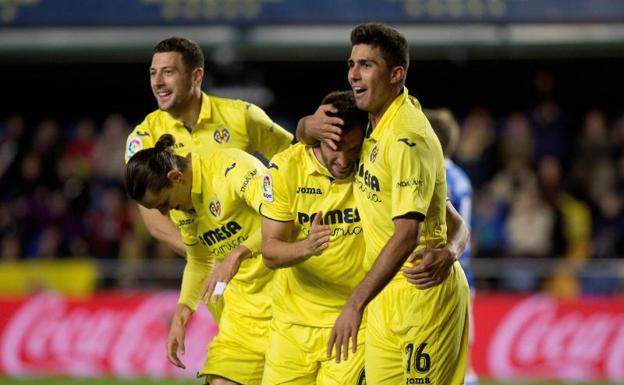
<point x="114" y="381"/>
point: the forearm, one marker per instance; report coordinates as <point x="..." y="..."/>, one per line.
<point x="277" y="253"/>
<point x="182" y="314"/>
<point x="457" y="232"/>
<point x="196" y="272"/>
<point x="388" y="263"/>
<point x="162" y="228"/>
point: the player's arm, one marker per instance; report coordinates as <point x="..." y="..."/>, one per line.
<point x="319" y="127"/>
<point x="162" y="228"/>
<point x="435" y="264"/>
<point x="198" y="267"/>
<point x="277" y="249"/>
<point x="223" y="273"/>
<point x="396" y="251"/>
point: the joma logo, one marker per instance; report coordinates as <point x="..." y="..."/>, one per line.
<point x="309" y="190"/>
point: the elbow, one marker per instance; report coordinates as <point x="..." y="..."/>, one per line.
<point x="268" y="258"/>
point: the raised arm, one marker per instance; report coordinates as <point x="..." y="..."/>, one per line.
<point x="319" y="126"/>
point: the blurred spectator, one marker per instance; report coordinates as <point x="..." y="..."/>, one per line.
<point x="109" y="149"/>
<point x="475" y="152"/>
<point x="10" y="142"/>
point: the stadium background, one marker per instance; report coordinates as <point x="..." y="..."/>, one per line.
<point x="537" y="87"/>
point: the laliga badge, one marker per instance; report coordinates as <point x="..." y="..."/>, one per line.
<point x="135" y="144"/>
<point x="267" y="188"/>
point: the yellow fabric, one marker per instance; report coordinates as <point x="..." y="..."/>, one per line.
<point x="297" y="356"/>
<point x="226" y="197"/>
<point x="401" y="171"/>
<point x="237" y="352"/>
<point x="436" y="333"/>
<point x="313" y="292"/>
<point x="222" y="123"/>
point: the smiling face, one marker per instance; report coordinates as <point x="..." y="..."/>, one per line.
<point x="375" y="85"/>
<point x="340" y="163"/>
<point x="172" y="83"/>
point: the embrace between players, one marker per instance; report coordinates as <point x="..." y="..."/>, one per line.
<point x="331" y="265"/>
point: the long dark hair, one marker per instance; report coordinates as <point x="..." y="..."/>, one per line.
<point x="148" y="168"/>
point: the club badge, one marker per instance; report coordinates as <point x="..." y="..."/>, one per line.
<point x="373" y="154"/>
<point x="221" y="135"/>
<point x="215" y="208"/>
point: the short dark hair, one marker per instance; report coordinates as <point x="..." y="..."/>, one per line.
<point x="192" y="55"/>
<point x="392" y="43"/>
<point x="148" y="168"/>
<point x="344" y="102"/>
<point x="446" y="129"/>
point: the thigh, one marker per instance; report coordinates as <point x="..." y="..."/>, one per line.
<point x="289" y="358"/>
<point x="237" y="352"/>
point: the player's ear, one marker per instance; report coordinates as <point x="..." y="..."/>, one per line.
<point x="174" y="175"/>
<point x="197" y="75"/>
<point x="397" y="74"/>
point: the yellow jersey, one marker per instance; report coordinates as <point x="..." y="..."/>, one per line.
<point x="313" y="292"/>
<point x="226" y="198"/>
<point x="222" y="123"/>
<point x="401" y="171"/>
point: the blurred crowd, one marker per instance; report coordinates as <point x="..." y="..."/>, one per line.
<point x="548" y="183"/>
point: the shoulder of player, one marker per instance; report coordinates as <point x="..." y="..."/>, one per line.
<point x="291" y="157"/>
<point x="226" y="162"/>
<point x="227" y="104"/>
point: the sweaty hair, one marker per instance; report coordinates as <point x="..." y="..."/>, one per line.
<point x="391" y="43"/>
<point x="344" y="102"/>
<point x="148" y="168"/>
<point x="192" y="55"/>
<point x="445" y="127"/>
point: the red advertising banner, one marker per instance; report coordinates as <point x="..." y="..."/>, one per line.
<point x="112" y="334"/>
<point x="124" y="335"/>
<point x="539" y="337"/>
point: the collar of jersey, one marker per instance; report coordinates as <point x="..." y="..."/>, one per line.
<point x="312" y="164"/>
<point x="204" y="113"/>
<point x="384" y="122"/>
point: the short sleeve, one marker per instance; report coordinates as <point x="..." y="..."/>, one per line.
<point x="266" y="136"/>
<point x="276" y="203"/>
<point x="138" y="139"/>
<point x="413" y="175"/>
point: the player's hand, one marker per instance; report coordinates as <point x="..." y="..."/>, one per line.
<point x="346" y="328"/>
<point x="435" y="265"/>
<point x="222" y="274"/>
<point x="175" y="340"/>
<point x="324" y="128"/>
<point x="318" y="239"/>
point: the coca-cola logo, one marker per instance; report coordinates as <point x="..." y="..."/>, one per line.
<point x="49" y="335"/>
<point x="536" y="339"/>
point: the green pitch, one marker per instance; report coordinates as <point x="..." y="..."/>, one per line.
<point x="73" y="381"/>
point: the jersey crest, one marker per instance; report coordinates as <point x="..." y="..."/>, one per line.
<point x="221" y="135"/>
<point x="373" y="154"/>
<point x="215" y="208"/>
